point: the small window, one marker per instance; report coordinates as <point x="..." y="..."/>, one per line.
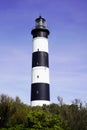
<point x="37" y="63"/>
<point x="37" y="92"/>
<point x="37" y="76"/>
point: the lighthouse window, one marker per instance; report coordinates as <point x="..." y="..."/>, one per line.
<point x="37" y="91"/>
<point x="37" y="76"/>
<point x="37" y="63"/>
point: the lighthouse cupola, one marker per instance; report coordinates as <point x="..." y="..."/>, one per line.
<point x="40" y="29"/>
<point x="40" y="22"/>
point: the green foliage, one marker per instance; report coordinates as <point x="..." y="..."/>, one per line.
<point x="14" y="115"/>
<point x="41" y="119"/>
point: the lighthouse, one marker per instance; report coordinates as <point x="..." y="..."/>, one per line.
<point x="40" y="86"/>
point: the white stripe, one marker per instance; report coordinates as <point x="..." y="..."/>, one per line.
<point x="40" y="44"/>
<point x="40" y="75"/>
<point x="40" y="103"/>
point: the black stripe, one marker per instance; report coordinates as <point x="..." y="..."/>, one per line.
<point x="40" y="59"/>
<point x="40" y="91"/>
<point x="39" y="32"/>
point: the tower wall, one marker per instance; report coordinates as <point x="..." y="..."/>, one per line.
<point x="40" y="91"/>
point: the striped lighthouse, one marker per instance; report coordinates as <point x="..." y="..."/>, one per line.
<point x="40" y="87"/>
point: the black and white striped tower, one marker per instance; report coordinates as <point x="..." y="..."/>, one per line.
<point x="40" y="88"/>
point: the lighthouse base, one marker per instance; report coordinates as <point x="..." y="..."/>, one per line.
<point x="40" y="103"/>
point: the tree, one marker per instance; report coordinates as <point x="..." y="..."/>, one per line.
<point x="60" y="100"/>
<point x="14" y="115"/>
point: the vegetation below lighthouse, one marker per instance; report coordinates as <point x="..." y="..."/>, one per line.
<point x="15" y="115"/>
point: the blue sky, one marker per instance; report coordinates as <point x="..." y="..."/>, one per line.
<point x="67" y="22"/>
